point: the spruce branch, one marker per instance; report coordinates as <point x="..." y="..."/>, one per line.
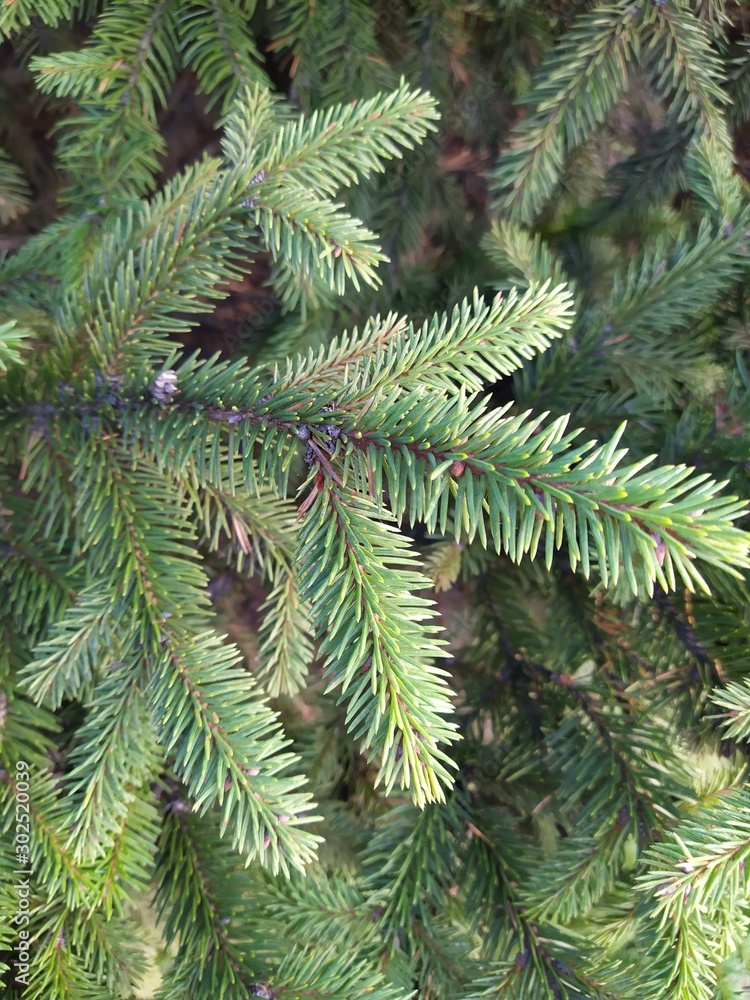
<point x="664" y="288"/>
<point x="129" y="63"/>
<point x="334" y="49"/>
<point x="285" y="651"/>
<point x="583" y="78"/>
<point x="711" y="175"/>
<point x="137" y="538"/>
<point x="114" y="756"/>
<point x="410" y="863"/>
<point x="522" y="485"/>
<point x="326" y="975"/>
<point x="63" y="878"/>
<point x="200" y="896"/>
<point x="474" y="344"/>
<point x="228" y="750"/>
<point x="698" y="868"/>
<point x="216" y="42"/>
<point x="59" y="972"/>
<point x="329" y="908"/>
<point x="127" y="867"/>
<point x="359" y="577"/>
<point x="134" y="296"/>
<point x="529" y="959"/>
<point x="111" y="948"/>
<point x="257" y="533"/>
<point x="735" y="697"/>
<point x="192" y="236"/>
<point x="685" y="67"/>
<point x="38" y="581"/>
<point x="526" y="257"/>
<point x="315" y="237"/>
<point x="12" y="343"/>
<point x="14" y="201"/>
<point x="117" y="150"/>
<point x="73" y="651"/>
<point x="21" y="13"/>
<point x="346" y="143"/>
<point x="660" y="292"/>
<point x="582" y="870"/>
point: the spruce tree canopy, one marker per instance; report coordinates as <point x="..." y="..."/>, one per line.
<point x="393" y="641"/>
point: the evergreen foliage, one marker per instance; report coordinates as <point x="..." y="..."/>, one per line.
<point x="401" y="648"/>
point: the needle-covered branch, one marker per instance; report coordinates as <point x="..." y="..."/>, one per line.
<point x="229" y="751"/>
<point x="518" y="485"/>
<point x="360" y="578"/>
